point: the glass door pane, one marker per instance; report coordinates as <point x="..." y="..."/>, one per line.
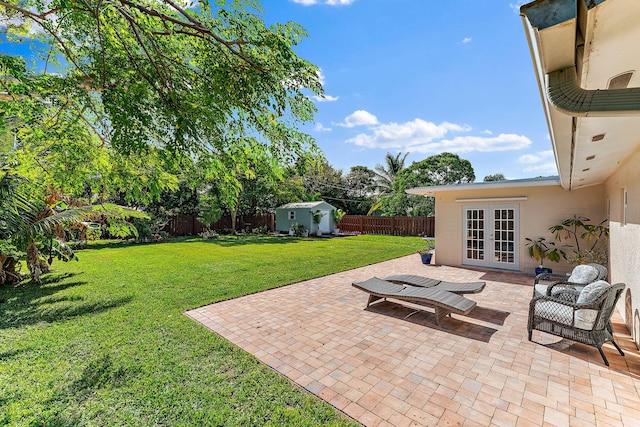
<point x="474" y="242"/>
<point x="504" y="243"/>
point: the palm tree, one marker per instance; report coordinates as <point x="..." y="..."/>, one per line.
<point x="386" y="176"/>
<point x="11" y="203"/>
<point x="32" y="227"/>
<point x="38" y="228"/>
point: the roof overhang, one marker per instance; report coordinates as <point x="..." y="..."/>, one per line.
<point x="550" y="181"/>
<point x="586" y="57"/>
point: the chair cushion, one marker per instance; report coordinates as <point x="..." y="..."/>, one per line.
<point x="592" y="291"/>
<point x="583" y="274"/>
<point x="561" y="313"/>
<point x="540" y="289"/>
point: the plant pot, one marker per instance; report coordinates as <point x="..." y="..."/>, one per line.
<point x="426" y="258"/>
<point x="540" y="270"/>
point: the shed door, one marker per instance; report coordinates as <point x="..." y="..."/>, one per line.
<point x="491" y="236"/>
<point x="325" y="222"/>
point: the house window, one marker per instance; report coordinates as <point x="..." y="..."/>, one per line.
<point x="292" y="215"/>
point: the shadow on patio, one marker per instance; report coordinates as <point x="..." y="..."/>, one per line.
<point x="391" y="364"/>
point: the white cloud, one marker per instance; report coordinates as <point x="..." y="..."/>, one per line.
<point x="542" y="163"/>
<point x="306" y="2"/>
<point x="466" y="40"/>
<point x="548" y="168"/>
<point x="326" y="98"/>
<point x="483" y="144"/>
<point x="319" y="128"/>
<point x="516" y="6"/>
<point x="359" y="118"/>
<point x="536" y="158"/>
<point x="321" y="77"/>
<point x="529" y="158"/>
<point x="420" y="136"/>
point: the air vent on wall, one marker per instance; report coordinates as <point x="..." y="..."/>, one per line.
<point x="620" y="81"/>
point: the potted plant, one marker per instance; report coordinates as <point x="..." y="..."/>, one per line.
<point x="338" y="214"/>
<point x="427" y="253"/>
<point x="317" y="217"/>
<point x="298" y="230"/>
<point x="586" y="238"/>
<point x="540" y="249"/>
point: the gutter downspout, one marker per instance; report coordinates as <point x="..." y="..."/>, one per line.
<point x="568" y="97"/>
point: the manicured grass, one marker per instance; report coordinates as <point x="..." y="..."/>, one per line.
<point x="105" y="341"/>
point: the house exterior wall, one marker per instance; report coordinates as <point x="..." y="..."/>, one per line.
<point x="624" y="241"/>
<point x="543" y="207"/>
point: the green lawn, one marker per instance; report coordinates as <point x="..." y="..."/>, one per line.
<point x="104" y="341"/>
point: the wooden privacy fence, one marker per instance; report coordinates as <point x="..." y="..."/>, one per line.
<point x="188" y="225"/>
<point x="389" y="225"/>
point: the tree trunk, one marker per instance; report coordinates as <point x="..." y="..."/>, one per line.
<point x="234" y="215"/>
<point x="33" y="262"/>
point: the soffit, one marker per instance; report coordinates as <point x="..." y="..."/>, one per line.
<point x="610" y="47"/>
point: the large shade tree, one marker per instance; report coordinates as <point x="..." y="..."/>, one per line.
<point x="197" y="79"/>
<point x="441" y="169"/>
<point x="361" y="184"/>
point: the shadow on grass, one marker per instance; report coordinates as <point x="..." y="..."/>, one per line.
<point x="249" y="239"/>
<point x="99" y="373"/>
<point x="30" y="303"/>
<point x="224" y="240"/>
<point x="8" y="354"/>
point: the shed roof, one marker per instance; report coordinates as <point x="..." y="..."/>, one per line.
<point x="302" y="205"/>
<point x="542" y="181"/>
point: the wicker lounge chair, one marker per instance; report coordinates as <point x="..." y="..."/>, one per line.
<point x="426" y="282"/>
<point x="579" y="278"/>
<point x="444" y="302"/>
<point x="585" y="318"/>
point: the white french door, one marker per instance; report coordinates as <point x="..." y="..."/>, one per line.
<point x="491" y="236"/>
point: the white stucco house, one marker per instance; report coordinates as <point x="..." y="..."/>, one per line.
<point x="586" y="56"/>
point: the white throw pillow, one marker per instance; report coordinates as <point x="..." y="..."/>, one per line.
<point x="592" y="291"/>
<point x="583" y="274"/>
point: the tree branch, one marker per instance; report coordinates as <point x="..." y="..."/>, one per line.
<point x="194" y="25"/>
<point x="134" y="28"/>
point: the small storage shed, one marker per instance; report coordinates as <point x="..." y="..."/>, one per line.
<point x="302" y="213"/>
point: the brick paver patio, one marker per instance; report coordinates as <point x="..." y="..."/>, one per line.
<point x="391" y="365"/>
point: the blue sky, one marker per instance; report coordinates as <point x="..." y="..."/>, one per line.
<point x="423" y="76"/>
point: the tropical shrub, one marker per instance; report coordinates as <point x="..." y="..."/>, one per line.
<point x="209" y="235"/>
<point x="588" y="240"/>
<point x="263" y="229"/>
<point x="298" y="229"/>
